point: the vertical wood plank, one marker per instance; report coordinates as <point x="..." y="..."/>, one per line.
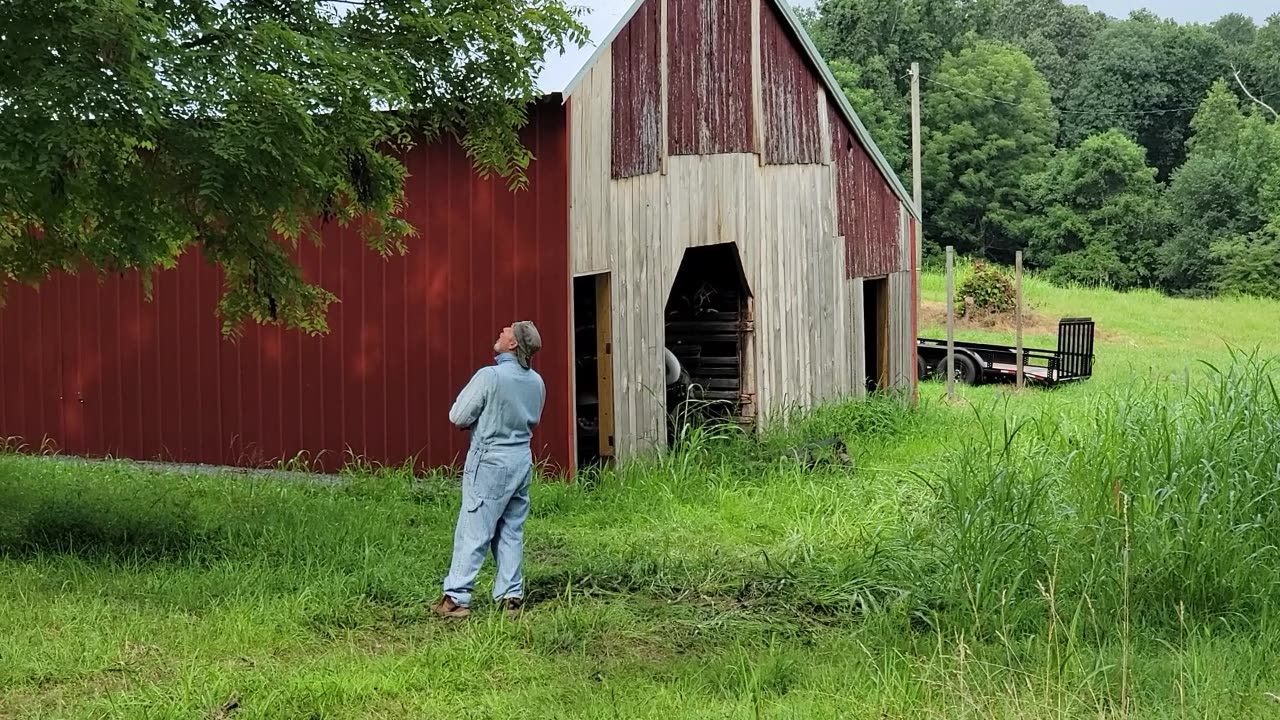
<point x="604" y="364"/>
<point x="858" y="303"/>
<point x="757" y="86"/>
<point x="663" y="72"/>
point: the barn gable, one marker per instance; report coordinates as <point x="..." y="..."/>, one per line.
<point x="709" y="81"/>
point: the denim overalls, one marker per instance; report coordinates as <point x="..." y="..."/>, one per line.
<point x="501" y="405"/>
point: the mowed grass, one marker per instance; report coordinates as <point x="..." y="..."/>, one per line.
<point x="1106" y="550"/>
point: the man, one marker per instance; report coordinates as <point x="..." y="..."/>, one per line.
<point x="500" y="406"/>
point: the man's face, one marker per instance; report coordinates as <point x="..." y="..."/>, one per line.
<point x="506" y="341"/>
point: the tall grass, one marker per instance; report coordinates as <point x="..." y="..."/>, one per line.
<point x="1058" y="558"/>
<point x="1153" y="502"/>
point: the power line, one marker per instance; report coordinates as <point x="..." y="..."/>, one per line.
<point x="1075" y="112"/>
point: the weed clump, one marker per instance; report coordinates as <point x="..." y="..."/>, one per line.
<point x="991" y="290"/>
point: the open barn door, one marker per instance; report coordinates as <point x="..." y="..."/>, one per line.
<point x="593" y="373"/>
<point x="875" y="306"/>
<point x="710" y="329"/>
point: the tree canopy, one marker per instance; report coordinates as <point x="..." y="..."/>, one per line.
<point x="1161" y="155"/>
<point x="1097" y="214"/>
<point x="135" y="130"/>
<point x="999" y="127"/>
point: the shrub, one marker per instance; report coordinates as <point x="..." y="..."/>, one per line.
<point x="991" y="289"/>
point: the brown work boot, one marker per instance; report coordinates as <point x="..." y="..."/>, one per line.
<point x="449" y="609"/>
<point x="513" y="608"/>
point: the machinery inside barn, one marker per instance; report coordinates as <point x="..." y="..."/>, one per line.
<point x="708" y="331"/>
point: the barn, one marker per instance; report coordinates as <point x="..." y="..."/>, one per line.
<point x="706" y="220"/>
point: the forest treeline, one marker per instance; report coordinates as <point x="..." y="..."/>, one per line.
<point x="1114" y="152"/>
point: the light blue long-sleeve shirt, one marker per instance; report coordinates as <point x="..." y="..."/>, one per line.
<point x="500" y="405"/>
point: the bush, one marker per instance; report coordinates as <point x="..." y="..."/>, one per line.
<point x="991" y="289"/>
<point x="1249" y="266"/>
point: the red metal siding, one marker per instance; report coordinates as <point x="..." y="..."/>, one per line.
<point x="709" y="109"/>
<point x="98" y="371"/>
<point x="637" y="94"/>
<point x="792" y="134"/>
<point x="867" y="206"/>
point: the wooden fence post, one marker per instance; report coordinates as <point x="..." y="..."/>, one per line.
<point x="1017" y="274"/>
<point x="951" y="323"/>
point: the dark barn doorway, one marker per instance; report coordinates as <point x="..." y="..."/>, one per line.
<point x="709" y="332"/>
<point x="593" y="369"/>
<point x="875" y="324"/>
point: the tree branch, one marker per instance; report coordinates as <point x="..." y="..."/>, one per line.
<point x="1240" y="82"/>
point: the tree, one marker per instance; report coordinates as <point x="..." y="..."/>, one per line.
<point x="1238" y="33"/>
<point x="1098" y="214"/>
<point x="989" y="123"/>
<point x="1222" y="191"/>
<point x="135" y="131"/>
<point x="880" y="109"/>
<point x="1141" y="77"/>
<point x="891" y="33"/>
<point x="1263" y="71"/>
<point x="1249" y="265"/>
<point x="1056" y="36"/>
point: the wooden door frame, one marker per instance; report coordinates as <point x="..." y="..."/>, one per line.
<point x="604" y="365"/>
<point x="880" y="290"/>
<point x="607" y="422"/>
<point x="882" y="330"/>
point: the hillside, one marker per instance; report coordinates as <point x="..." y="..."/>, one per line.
<point x="1106" y="550"/>
<point x="1138" y="332"/>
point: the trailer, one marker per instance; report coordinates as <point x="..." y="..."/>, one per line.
<point x="977" y="363"/>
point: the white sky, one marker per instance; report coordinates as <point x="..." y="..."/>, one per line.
<point x="604" y="15"/>
<point x="1189" y="10"/>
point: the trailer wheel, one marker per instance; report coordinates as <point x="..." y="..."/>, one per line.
<point x="921" y="367"/>
<point x="966" y="370"/>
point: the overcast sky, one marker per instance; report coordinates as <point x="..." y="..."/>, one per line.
<point x="1188" y="10"/>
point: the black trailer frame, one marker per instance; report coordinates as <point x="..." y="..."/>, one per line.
<point x="978" y="363"/>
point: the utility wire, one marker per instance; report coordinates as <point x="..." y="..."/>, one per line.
<point x="1074" y="112"/>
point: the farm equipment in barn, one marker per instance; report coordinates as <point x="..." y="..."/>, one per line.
<point x="978" y="363"/>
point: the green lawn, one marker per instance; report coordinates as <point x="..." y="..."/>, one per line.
<point x="973" y="565"/>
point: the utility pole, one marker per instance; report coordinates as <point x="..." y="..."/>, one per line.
<point x="916" y="182"/>
<point x="915" y="199"/>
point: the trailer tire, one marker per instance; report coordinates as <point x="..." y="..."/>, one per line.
<point x="967" y="371"/>
<point x="921" y="367"/>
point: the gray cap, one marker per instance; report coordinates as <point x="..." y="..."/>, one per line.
<point x="528" y="341"/>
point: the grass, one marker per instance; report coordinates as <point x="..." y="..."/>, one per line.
<point x="1106" y="550"/>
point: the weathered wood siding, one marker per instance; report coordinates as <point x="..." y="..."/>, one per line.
<point x="710" y="87"/>
<point x="780" y="217"/>
<point x="791" y="123"/>
<point x="637" y="112"/>
<point x="868" y="208"/>
<point x="783" y="218"/>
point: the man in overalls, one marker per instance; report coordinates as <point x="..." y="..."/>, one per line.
<point x="500" y="406"/>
